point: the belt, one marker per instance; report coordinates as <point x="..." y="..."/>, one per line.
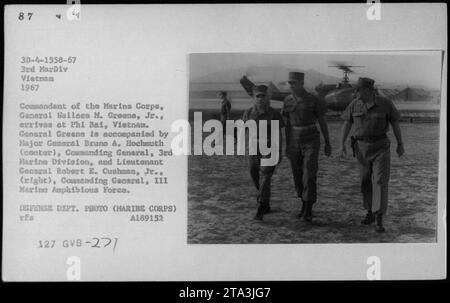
<point x="371" y="139"/>
<point x="304" y="127"/>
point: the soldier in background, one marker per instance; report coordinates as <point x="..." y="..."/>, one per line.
<point x="225" y="108"/>
<point x="370" y="115"/>
<point x="301" y="111"/>
<point x="262" y="175"/>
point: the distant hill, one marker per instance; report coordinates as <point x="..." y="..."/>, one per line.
<point x="209" y="85"/>
<point x="227" y="76"/>
<point x="277" y="74"/>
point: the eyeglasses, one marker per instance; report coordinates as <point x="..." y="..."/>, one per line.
<point x="260" y="95"/>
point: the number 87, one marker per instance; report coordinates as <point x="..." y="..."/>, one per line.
<point x="22" y="16"/>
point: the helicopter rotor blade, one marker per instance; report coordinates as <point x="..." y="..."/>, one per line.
<point x="343" y="66"/>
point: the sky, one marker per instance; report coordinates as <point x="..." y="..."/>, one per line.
<point x="410" y="68"/>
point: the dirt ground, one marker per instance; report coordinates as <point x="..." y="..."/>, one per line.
<point x="222" y="198"/>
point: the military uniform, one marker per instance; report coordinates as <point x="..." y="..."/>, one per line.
<point x="303" y="141"/>
<point x="261" y="175"/>
<point x="371" y="120"/>
<point x="225" y="108"/>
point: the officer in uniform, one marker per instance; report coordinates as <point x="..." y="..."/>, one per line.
<point x="301" y="111"/>
<point x="370" y="116"/>
<point x="225" y="108"/>
<point x="261" y="175"/>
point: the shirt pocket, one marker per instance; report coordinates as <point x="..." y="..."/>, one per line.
<point x="378" y="122"/>
<point x="289" y="106"/>
<point x="306" y="112"/>
<point x="358" y="119"/>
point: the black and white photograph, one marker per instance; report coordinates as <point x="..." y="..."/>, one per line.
<point x="359" y="154"/>
<point x="224" y="142"/>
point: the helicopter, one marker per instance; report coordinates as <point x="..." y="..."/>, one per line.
<point x="336" y="96"/>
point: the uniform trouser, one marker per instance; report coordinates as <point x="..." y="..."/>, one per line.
<point x="304" y="163"/>
<point x="223" y="121"/>
<point x="261" y="176"/>
<point x="374" y="161"/>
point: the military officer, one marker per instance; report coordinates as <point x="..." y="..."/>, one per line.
<point x="301" y="111"/>
<point x="261" y="175"/>
<point x="225" y="108"/>
<point x="370" y="115"/>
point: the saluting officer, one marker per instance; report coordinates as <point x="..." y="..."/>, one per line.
<point x="301" y="111"/>
<point x="370" y="115"/>
<point x="262" y="175"/>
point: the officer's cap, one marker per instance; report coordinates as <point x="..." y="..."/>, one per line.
<point x="296" y="76"/>
<point x="365" y="82"/>
<point x="259" y="89"/>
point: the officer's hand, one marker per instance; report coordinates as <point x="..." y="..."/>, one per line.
<point x="400" y="150"/>
<point x="327" y="149"/>
<point x="342" y="153"/>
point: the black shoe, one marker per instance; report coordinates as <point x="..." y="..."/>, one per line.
<point x="380" y="229"/>
<point x="260" y="212"/>
<point x="369" y="219"/>
<point x="302" y="212"/>
<point x="308" y="212"/>
<point x="379" y="226"/>
<point x="259" y="216"/>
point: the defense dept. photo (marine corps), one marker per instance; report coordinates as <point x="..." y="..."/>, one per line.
<point x="315" y="148"/>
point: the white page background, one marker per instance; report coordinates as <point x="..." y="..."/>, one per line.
<point x="135" y="53"/>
